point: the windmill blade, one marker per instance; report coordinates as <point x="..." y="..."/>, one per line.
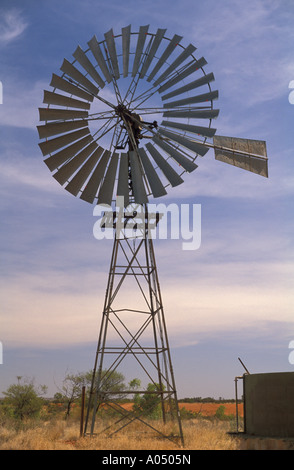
<point x="190" y="86"/>
<point x="74" y="73"/>
<point x="64" y="85"/>
<point x="196" y="147"/>
<point x="150" y="56"/>
<point x="212" y="95"/>
<point x="93" y="184"/>
<point x="181" y="76"/>
<point x="109" y="38"/>
<point x="88" y="170"/>
<point x="68" y="169"/>
<point x="83" y="60"/>
<point x="171" y="175"/>
<point x="183" y="56"/>
<point x="61" y="100"/>
<point x="139" y="190"/>
<point x="156" y="185"/>
<point x="97" y="53"/>
<point x="139" y="49"/>
<point x="54" y="161"/>
<point x="187" y="164"/>
<point x="248" y="154"/>
<point x="55" y="114"/>
<point x="75" y="185"/>
<point x="170" y="48"/>
<point x="50" y="146"/>
<point x="123" y="179"/>
<point x="199" y="130"/>
<point x="54" y="128"/>
<point x="126" y="34"/>
<point x="105" y="194"/>
<point x="193" y="113"/>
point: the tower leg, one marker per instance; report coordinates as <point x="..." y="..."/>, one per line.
<point x="139" y="335"/>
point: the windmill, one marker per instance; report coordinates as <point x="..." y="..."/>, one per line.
<point x="127" y="118"/>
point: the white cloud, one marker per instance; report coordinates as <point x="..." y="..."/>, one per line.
<point x="248" y="48"/>
<point x="21" y="102"/>
<point x="12" y="25"/>
<point x="233" y="282"/>
<point x="25" y="176"/>
<point x="27" y="172"/>
<point x="54" y="308"/>
<point x="48" y="311"/>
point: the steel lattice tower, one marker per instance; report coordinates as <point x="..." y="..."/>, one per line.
<point x="147" y="344"/>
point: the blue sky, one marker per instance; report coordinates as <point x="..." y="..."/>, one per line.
<point x="231" y="298"/>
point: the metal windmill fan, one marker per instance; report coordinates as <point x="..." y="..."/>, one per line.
<point x="128" y="117"/>
<point x="98" y="173"/>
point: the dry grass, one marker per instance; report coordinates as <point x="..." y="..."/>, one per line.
<point x="198" y="434"/>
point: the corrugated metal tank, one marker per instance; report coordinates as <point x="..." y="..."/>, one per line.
<point x="269" y="404"/>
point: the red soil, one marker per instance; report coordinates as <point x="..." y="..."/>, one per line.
<point x="209" y="409"/>
<point x="206" y="409"/>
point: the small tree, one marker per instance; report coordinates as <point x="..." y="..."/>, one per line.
<point x="70" y="391"/>
<point x="134" y="385"/>
<point x="24" y="399"/>
<point x="221" y="414"/>
<point x="149" y="404"/>
<point x="110" y="381"/>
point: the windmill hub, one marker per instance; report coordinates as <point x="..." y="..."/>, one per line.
<point x="132" y="119"/>
<point x="132" y="123"/>
<point x="121" y="109"/>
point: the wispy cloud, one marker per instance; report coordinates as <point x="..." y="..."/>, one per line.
<point x="256" y="62"/>
<point x="236" y="281"/>
<point x="23" y="172"/>
<point x="12" y="26"/>
<point x="43" y="305"/>
<point x="21" y="102"/>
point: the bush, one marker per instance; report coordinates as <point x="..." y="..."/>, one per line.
<point x="149" y="404"/>
<point x="220" y="414"/>
<point x="22" y="401"/>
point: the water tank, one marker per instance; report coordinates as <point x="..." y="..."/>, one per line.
<point x="269" y="404"/>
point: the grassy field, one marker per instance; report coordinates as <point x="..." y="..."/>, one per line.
<point x="199" y="434"/>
